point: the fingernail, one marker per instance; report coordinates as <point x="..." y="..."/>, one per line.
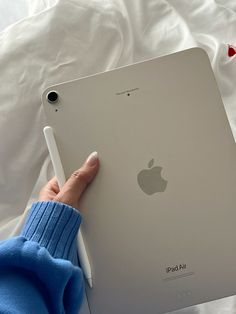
<point x="92" y="159"/>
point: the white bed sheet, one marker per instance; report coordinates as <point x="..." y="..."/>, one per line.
<point x="47" y="42"/>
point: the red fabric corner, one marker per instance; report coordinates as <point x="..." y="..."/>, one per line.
<point x="231" y="50"/>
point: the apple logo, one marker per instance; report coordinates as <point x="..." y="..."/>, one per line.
<point x="150" y="180"/>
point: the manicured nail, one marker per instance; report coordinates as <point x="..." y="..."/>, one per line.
<point x="92" y="159"/>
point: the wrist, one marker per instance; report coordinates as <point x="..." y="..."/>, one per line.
<point x="54" y="225"/>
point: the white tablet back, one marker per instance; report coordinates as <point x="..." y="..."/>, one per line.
<point x="165" y="238"/>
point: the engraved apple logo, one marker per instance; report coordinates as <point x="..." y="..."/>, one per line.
<point x="150" y="180"/>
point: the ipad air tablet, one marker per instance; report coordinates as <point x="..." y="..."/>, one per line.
<point x="159" y="218"/>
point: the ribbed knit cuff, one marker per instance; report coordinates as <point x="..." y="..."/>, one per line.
<point x="54" y="226"/>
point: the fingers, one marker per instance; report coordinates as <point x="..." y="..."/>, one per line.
<point x="80" y="178"/>
<point x="53" y="185"/>
<point x="49" y="191"/>
<point x="78" y="181"/>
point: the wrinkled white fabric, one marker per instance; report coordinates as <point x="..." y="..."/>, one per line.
<point x="49" y="41"/>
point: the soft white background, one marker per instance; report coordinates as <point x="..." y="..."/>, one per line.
<point x="50" y="41"/>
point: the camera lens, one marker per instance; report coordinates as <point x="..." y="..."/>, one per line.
<point x="52" y="97"/>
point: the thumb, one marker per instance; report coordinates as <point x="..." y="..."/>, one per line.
<point x="78" y="181"/>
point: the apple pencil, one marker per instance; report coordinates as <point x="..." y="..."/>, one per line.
<point x="60" y="175"/>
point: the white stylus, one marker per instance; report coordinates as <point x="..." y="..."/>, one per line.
<point x="60" y="175"/>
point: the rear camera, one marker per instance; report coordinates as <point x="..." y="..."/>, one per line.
<point x="52" y="97"/>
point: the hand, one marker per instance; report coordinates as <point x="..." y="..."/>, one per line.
<point x="74" y="186"/>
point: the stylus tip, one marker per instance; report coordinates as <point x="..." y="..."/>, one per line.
<point x="90" y="282"/>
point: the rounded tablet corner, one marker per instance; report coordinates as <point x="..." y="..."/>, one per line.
<point x="200" y="51"/>
<point x="43" y="96"/>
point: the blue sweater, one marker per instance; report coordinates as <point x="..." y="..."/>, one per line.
<point x="39" y="271"/>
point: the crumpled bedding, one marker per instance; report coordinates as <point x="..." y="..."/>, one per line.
<point x="50" y="41"/>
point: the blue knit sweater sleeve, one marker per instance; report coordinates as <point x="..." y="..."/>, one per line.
<point x="38" y="269"/>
